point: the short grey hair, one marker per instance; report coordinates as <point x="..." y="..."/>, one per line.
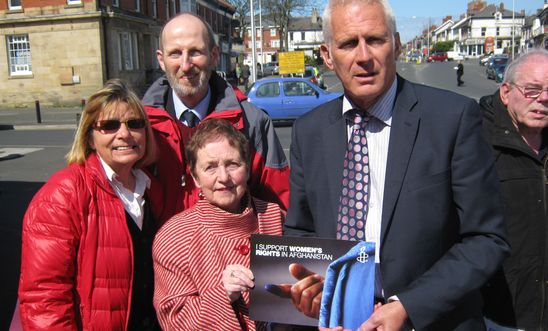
<point x="511" y="72"/>
<point x="332" y="4"/>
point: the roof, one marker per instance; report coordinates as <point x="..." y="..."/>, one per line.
<point x="461" y="22"/>
<point x="490" y="10"/>
<point x="304" y="24"/>
<point x="301" y="23"/>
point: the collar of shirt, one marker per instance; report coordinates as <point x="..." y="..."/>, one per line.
<point x="133" y="201"/>
<point x="199" y="110"/>
<point x="382" y="109"/>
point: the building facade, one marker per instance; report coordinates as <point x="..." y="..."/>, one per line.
<point x="62" y="51"/>
<point x="303" y="34"/>
<point x="539" y="31"/>
<point x="491" y="28"/>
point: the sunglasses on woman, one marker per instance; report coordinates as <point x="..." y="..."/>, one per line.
<point x="114" y="125"/>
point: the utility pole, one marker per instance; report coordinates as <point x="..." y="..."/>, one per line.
<point x="513" y="31"/>
<point x="254" y="43"/>
<point x="262" y="34"/>
<point x="428" y="39"/>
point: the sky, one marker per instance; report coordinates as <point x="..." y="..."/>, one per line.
<point x="412" y="15"/>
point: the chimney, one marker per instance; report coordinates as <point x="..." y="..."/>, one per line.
<point x="501" y="7"/>
<point x="314" y="16"/>
<point x="447" y="18"/>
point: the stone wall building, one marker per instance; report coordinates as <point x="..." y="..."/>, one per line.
<point x="62" y="51"/>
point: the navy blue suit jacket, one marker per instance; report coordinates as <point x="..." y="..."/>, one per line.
<point x="442" y="232"/>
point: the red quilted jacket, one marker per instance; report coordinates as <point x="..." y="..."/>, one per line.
<point x="269" y="169"/>
<point x="77" y="255"/>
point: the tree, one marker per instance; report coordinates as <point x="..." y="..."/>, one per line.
<point x="444" y="46"/>
<point x="241" y="15"/>
<point x="279" y="12"/>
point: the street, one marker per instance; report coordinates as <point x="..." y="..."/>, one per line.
<point x="28" y="158"/>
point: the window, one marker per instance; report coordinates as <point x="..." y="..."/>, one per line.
<point x="74" y="2"/>
<point x="268" y="90"/>
<point x="116" y="3"/>
<point x="19" y="55"/>
<point x="154" y="9"/>
<point x="138" y="5"/>
<point x="302" y="36"/>
<point x="294" y="89"/>
<point x="274" y="43"/>
<point x="128" y="51"/>
<point x="14" y="4"/>
<point x="498" y="31"/>
<point x="273" y="32"/>
<point x="258" y="32"/>
<point x="483" y="31"/>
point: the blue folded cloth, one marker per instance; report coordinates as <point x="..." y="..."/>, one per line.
<point x="348" y="291"/>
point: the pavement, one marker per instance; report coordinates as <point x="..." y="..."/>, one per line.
<point x="51" y="118"/>
<point x="48" y="118"/>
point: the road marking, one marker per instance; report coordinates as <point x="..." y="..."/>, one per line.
<point x="33" y="146"/>
<point x="10" y="153"/>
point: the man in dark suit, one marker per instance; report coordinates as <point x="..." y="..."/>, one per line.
<point x="433" y="207"/>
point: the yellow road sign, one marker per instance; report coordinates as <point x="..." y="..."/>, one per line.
<point x="291" y="62"/>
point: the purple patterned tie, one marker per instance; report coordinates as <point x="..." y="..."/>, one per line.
<point x="355" y="186"/>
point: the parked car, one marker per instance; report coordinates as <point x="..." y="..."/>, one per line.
<point x="438" y="57"/>
<point x="484" y="58"/>
<point x="493" y="63"/>
<point x="414" y="57"/>
<point x="455" y="56"/>
<point x="270" y="68"/>
<point x="286" y="98"/>
<point x="499" y="73"/>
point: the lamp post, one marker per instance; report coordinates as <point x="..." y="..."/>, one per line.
<point x="254" y="43"/>
<point x="513" y="31"/>
<point x="428" y="39"/>
<point x="262" y="34"/>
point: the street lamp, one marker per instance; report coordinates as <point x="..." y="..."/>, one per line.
<point x="254" y="43"/>
<point x="513" y="25"/>
<point x="428" y="39"/>
<point x="262" y="34"/>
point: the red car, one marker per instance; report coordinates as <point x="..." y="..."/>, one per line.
<point x="438" y="57"/>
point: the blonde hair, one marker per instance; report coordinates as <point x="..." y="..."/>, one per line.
<point x="113" y="93"/>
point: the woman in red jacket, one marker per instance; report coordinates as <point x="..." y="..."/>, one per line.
<point x="201" y="256"/>
<point x="87" y="234"/>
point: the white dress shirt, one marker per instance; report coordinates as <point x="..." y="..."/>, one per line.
<point x="378" y="138"/>
<point x="134" y="202"/>
<point x="200" y="110"/>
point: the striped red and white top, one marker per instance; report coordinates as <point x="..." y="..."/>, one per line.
<point x="190" y="253"/>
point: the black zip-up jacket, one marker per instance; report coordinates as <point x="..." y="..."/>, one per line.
<point x="518" y="295"/>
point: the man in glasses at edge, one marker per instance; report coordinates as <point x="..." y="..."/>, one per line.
<point x="515" y="120"/>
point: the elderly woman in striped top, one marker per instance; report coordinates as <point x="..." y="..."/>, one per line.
<point x="201" y="256"/>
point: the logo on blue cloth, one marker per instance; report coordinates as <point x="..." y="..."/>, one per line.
<point x="363" y="256"/>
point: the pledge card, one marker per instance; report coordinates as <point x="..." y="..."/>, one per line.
<point x="277" y="262"/>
